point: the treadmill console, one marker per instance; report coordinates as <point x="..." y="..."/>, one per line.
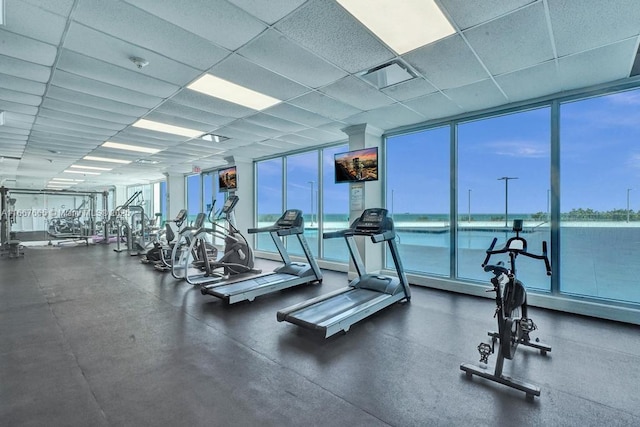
<point x="372" y="221"/>
<point x="291" y="218"/>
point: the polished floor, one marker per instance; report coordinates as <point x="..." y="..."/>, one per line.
<point x="91" y="337"/>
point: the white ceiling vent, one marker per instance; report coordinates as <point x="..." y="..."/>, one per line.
<point x="388" y="74"/>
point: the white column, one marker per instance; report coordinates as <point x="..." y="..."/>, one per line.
<point x="176" y="199"/>
<point x="366" y="136"/>
<point x="245" y="208"/>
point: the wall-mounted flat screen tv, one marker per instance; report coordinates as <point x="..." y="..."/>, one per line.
<point x="357" y="166"/>
<point x="227" y="179"/>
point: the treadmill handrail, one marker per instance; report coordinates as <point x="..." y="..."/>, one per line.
<point x="282" y="231"/>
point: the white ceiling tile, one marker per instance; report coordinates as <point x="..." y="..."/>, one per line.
<point x="252" y="128"/>
<point x="467" y="13"/>
<point x="515" y="41"/>
<point x="171" y="119"/>
<point x="328" y="30"/>
<point x="320" y="136"/>
<point x="215" y="20"/>
<point x="97" y="102"/>
<point x="134" y="135"/>
<point x="34" y="22"/>
<point x="103" y="90"/>
<point x="354" y="91"/>
<point x="327" y="106"/>
<point x="586" y="24"/>
<point x="532" y="82"/>
<point x="176" y="109"/>
<point x="269" y="12"/>
<point x="86" y="111"/>
<point x="275" y="52"/>
<point x="273" y="122"/>
<point x="15" y="107"/>
<point x="203" y="102"/>
<point x="94" y="69"/>
<point x="234" y="132"/>
<point x="447" y="63"/>
<point x="24" y="69"/>
<point x="596" y="66"/>
<point x="60" y="7"/>
<point x="75" y="118"/>
<point x="387" y="118"/>
<point x="240" y="71"/>
<point x="409" y="89"/>
<point x="19" y="97"/>
<point x="109" y="49"/>
<point x="297" y="115"/>
<point x="43" y="123"/>
<point x="20" y="47"/>
<point x="129" y="23"/>
<point x="477" y="96"/>
<point x="22" y="85"/>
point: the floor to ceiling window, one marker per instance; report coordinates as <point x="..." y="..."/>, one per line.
<point x="600" y="194"/>
<point x="194" y="196"/>
<point x="335" y="206"/>
<point x="302" y="193"/>
<point x="417" y="192"/>
<point x="504" y="174"/>
<point x="268" y="199"/>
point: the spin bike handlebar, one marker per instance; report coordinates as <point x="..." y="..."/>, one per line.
<point x="513" y="252"/>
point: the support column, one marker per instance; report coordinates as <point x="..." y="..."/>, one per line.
<point x="244" y="211"/>
<point x="176" y="199"/>
<point x="364" y="195"/>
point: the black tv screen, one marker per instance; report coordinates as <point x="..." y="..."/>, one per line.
<point x="227" y="179"/>
<point x="357" y="166"/>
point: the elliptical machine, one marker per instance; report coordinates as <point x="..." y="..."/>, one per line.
<point x="514" y="324"/>
<point x="161" y="250"/>
<point x="237" y="258"/>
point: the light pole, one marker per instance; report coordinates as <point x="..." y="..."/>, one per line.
<point x="628" y="211"/>
<point x="469" y="205"/>
<point x="506" y="197"/>
<point x="312" y="183"/>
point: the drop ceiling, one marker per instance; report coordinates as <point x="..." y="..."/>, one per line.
<point x="68" y="84"/>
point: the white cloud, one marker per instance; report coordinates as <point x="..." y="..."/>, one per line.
<point x="526" y="149"/>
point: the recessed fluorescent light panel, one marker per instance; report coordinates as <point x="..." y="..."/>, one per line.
<point x="2" y="12"/>
<point x="403" y="25"/>
<point x="224" y="89"/>
<point x="62" y="179"/>
<point x="82" y="172"/>
<point x="130" y="147"/>
<point x="106" y="159"/>
<point x="162" y="127"/>
<point x="96" y="168"/>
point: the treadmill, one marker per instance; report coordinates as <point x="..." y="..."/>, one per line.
<point x="291" y="223"/>
<point x="366" y="294"/>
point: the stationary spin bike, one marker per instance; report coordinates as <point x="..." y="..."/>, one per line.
<point x="514" y="324"/>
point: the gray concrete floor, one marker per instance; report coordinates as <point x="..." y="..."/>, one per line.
<point x="91" y="337"/>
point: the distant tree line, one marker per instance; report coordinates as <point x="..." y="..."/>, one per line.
<point x="592" y="215"/>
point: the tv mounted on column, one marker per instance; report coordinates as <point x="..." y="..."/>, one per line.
<point x="357" y="166"/>
<point x="227" y="179"/>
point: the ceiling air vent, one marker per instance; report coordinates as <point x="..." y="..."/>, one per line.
<point x="388" y="74"/>
<point x="214" y="138"/>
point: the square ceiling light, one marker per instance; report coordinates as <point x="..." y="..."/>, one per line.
<point x="388" y="74"/>
<point x="162" y="127"/>
<point x="403" y="25"/>
<point x="129" y="147"/>
<point x="214" y="138"/>
<point x="224" y="89"/>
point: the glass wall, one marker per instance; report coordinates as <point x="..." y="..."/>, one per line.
<point x="269" y="199"/>
<point x="335" y="206"/>
<point x="504" y="174"/>
<point x="600" y="176"/>
<point x="194" y="196"/>
<point x="417" y="189"/>
<point x="302" y="193"/>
